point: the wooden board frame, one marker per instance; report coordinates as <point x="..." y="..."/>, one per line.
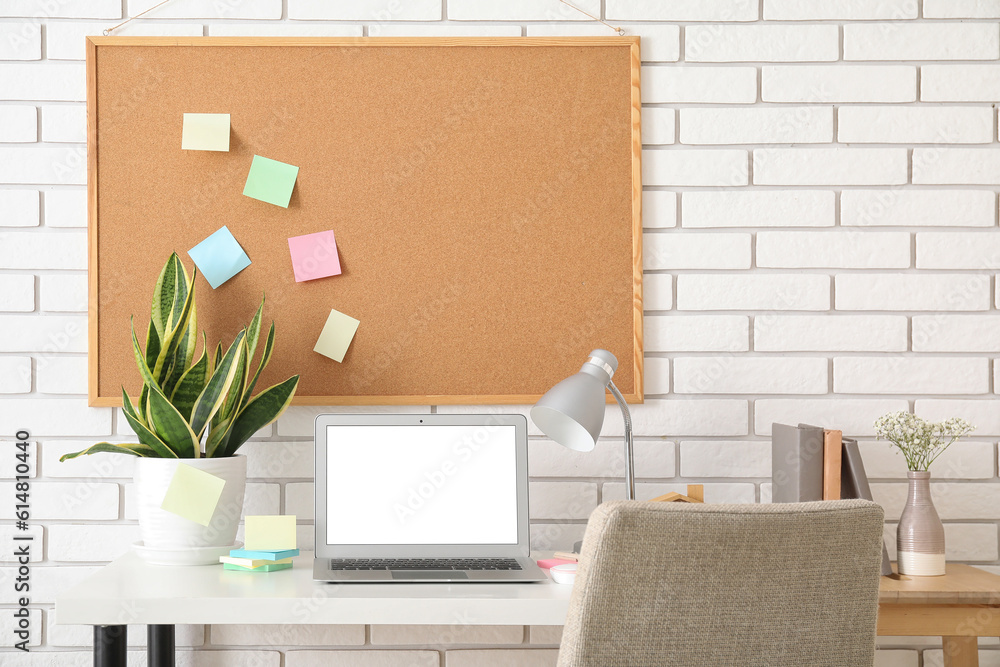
<point x="93" y="164"/>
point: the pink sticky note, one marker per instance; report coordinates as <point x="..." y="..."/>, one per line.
<point x="547" y="563"/>
<point x="314" y="256"/>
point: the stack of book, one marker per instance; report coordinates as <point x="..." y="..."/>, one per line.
<point x="259" y="560"/>
<point x="810" y="463"/>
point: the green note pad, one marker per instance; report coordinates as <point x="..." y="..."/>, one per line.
<point x="337" y="335"/>
<point x="193" y="494"/>
<point x="270" y="567"/>
<point x="270" y="181"/>
<point x="269" y="532"/>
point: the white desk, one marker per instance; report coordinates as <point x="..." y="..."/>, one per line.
<point x="128" y="591"/>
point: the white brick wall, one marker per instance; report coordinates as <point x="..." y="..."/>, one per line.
<point x="18" y="123"/>
<point x="694" y="167"/>
<point x="915" y="125"/>
<point x="750" y="375"/>
<point x="760" y="208"/>
<point x="844" y="250"/>
<point x="857" y="10"/>
<point x="784" y="125"/>
<point x="821" y="246"/>
<point x="813" y="84"/>
<point x="913" y="208"/>
<point x="829" y="166"/>
<point x="769" y="291"/>
<point x="833" y="333"/>
<point x="762" y="42"/>
<point x="921" y="41"/>
<point x="735" y="85"/>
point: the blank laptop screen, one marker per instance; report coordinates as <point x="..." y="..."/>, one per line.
<point x="427" y="484"/>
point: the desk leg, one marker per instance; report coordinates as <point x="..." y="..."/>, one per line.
<point x="160" y="646"/>
<point x="110" y="645"/>
<point x="960" y="651"/>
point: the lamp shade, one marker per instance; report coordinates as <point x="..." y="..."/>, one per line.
<point x="572" y="412"/>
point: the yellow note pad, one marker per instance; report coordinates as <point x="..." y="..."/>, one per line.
<point x="269" y="532"/>
<point x="336" y="336"/>
<point x="205" y="132"/>
<point x="193" y="494"/>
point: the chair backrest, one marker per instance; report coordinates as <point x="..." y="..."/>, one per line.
<point x="714" y="585"/>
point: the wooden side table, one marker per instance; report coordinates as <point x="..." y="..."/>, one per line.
<point x="960" y="607"/>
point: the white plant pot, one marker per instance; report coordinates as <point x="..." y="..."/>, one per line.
<point x="165" y="530"/>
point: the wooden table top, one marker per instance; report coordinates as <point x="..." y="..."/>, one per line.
<point x="963" y="584"/>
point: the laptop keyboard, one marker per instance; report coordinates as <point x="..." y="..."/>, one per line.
<point x="424" y="564"/>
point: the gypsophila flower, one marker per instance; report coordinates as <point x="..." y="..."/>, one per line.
<point x="920" y="441"/>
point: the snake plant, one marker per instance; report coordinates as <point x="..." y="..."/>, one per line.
<point x="187" y="408"/>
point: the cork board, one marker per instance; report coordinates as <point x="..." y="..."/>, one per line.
<point x="485" y="195"/>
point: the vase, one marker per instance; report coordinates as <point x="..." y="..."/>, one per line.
<point x="168" y="538"/>
<point x="920" y="537"/>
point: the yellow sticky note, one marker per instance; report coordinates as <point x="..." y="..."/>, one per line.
<point x="336" y="336"/>
<point x="269" y="532"/>
<point x="205" y="132"/>
<point x="193" y="494"/>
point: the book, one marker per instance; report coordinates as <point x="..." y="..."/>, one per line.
<point x="260" y="554"/>
<point x="854" y="484"/>
<point x="796" y="463"/>
<point x="832" y="454"/>
<point x="270" y="567"/>
<point x="252" y="562"/>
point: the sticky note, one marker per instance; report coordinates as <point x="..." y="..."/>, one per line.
<point x="338" y="332"/>
<point x="270" y="181"/>
<point x="219" y="257"/>
<point x="205" y="132"/>
<point x="193" y="494"/>
<point x="270" y="567"/>
<point x="264" y="554"/>
<point x="314" y="256"/>
<point x="251" y="563"/>
<point x="269" y="532"/>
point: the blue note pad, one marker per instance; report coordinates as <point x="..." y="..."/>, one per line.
<point x="219" y="257"/>
<point x="263" y="555"/>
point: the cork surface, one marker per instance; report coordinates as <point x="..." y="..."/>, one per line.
<point x="483" y="196"/>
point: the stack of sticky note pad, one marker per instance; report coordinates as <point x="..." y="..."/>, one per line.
<point x="269" y="545"/>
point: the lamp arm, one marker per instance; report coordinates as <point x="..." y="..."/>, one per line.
<point x="629" y="472"/>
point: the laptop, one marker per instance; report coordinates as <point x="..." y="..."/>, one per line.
<point x="422" y="498"/>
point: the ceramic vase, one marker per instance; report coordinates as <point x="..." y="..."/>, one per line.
<point x="165" y="534"/>
<point x="920" y="538"/>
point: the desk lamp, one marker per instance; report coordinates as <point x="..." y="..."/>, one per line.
<point x="572" y="412"/>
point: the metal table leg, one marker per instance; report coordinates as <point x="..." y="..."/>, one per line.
<point x="160" y="646"/>
<point x="110" y="645"/>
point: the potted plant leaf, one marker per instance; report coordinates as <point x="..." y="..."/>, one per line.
<point x="196" y="413"/>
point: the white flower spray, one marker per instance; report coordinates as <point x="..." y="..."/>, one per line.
<point x="920" y="441"/>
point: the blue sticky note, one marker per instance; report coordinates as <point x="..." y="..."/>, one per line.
<point x="279" y="554"/>
<point x="219" y="257"/>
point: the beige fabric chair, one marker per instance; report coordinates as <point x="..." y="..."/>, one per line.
<point x="714" y="585"/>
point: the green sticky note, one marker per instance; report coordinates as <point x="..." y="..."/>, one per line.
<point x="270" y="181"/>
<point x="205" y="132"/>
<point x="193" y="494"/>
<point x="269" y="532"/>
<point x="273" y="567"/>
<point x="338" y="332"/>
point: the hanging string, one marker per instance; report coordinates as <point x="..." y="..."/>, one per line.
<point x="619" y="30"/>
<point x="108" y="31"/>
